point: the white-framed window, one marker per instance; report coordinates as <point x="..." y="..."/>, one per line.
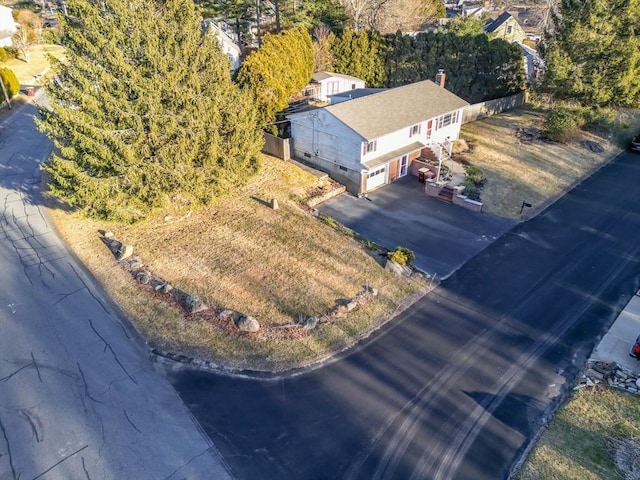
<point x="509" y="29"/>
<point x="369" y="147"/>
<point x="448" y="119"/>
<point x="333" y="87"/>
<point x="415" y="130"/>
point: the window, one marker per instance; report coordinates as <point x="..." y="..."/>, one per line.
<point x="509" y="29"/>
<point x="369" y="147"/>
<point x="353" y="86"/>
<point x="333" y="87"/>
<point x="376" y="172"/>
<point x="415" y="130"/>
<point x="342" y="168"/>
<point x="448" y="119"/>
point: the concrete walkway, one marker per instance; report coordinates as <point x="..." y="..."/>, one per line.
<point x="617" y="342"/>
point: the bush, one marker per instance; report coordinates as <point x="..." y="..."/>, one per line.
<point x="471" y="191"/>
<point x="475" y="175"/>
<point x="561" y="124"/>
<point x="402" y="256"/>
<point x="11" y="52"/>
<point x="10" y="82"/>
<point x="3" y="55"/>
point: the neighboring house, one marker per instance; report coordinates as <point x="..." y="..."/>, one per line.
<point x="505" y="27"/>
<point x="533" y="63"/>
<point x="228" y="44"/>
<point x="370" y="141"/>
<point x="324" y="84"/>
<point x="8" y="26"/>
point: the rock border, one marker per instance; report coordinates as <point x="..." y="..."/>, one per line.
<point x="194" y="308"/>
<point x="610" y="374"/>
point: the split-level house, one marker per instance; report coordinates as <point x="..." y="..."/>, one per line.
<point x="370" y="141"/>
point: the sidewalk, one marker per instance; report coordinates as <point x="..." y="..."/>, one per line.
<point x="617" y="342"/>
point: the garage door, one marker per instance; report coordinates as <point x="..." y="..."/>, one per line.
<point x="376" y="177"/>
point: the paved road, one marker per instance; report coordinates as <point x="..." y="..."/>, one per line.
<point x="456" y="386"/>
<point x="79" y="397"/>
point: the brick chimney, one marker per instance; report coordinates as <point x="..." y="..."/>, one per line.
<point x="440" y="77"/>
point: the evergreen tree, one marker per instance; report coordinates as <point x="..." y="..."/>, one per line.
<point x="361" y="55"/>
<point x="10" y="84"/>
<point x="144" y="112"/>
<point x="594" y="56"/>
<point x="278" y="70"/>
<point x="477" y="69"/>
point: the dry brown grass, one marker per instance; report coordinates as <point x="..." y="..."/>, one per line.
<point x="579" y="442"/>
<point x="536" y="172"/>
<point x="274" y="265"/>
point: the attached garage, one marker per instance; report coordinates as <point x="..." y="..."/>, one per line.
<point x="377" y="178"/>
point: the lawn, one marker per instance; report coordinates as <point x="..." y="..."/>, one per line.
<point x="278" y="266"/>
<point x="580" y="441"/>
<point x="521" y="166"/>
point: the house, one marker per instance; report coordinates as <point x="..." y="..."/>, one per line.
<point x="505" y="27"/>
<point x="228" y="45"/>
<point x="533" y="63"/>
<point x="8" y="26"/>
<point x="324" y="84"/>
<point x="370" y="141"/>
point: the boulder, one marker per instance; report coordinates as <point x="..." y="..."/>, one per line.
<point x="190" y="303"/>
<point x="125" y="251"/>
<point x="310" y="323"/>
<point x="143" y="277"/>
<point x="351" y="304"/>
<point x="226" y="315"/>
<point x="245" y="323"/>
<point x="398" y="269"/>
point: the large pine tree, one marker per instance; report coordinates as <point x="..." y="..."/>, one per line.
<point x="144" y="112"/>
<point x="594" y="55"/>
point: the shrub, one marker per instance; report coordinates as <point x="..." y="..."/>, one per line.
<point x="561" y="124"/>
<point x="10" y="82"/>
<point x="402" y="256"/>
<point x="3" y="55"/>
<point x="11" y="52"/>
<point x="475" y="175"/>
<point x="471" y="191"/>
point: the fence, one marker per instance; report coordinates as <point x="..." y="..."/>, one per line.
<point x="481" y="110"/>
<point x="276" y="146"/>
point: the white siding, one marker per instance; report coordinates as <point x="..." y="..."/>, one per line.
<point x="333" y="85"/>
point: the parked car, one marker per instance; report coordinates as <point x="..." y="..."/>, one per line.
<point x="635" y="143"/>
<point x="635" y="350"/>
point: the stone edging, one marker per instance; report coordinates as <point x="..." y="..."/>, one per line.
<point x="611" y="374"/>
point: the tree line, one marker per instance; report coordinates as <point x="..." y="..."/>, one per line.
<point x="145" y="114"/>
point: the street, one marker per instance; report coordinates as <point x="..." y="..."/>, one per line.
<point x="455" y="387"/>
<point x="79" y="397"/>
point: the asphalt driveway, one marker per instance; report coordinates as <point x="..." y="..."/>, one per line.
<point x="442" y="235"/>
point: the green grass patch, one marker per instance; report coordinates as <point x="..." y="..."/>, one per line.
<point x="581" y="439"/>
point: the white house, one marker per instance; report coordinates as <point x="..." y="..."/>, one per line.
<point x="7" y="26"/>
<point x="228" y="45"/>
<point x="324" y="84"/>
<point x="370" y="141"/>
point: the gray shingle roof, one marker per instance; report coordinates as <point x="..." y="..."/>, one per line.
<point x="393" y="109"/>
